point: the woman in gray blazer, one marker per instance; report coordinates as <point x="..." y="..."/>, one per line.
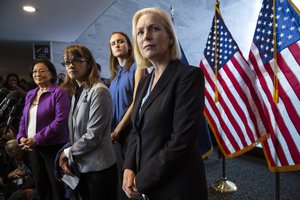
<point x="91" y="150"/>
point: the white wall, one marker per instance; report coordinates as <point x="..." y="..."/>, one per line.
<point x="193" y="19"/>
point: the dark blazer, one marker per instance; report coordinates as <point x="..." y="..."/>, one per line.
<point x="163" y="148"/>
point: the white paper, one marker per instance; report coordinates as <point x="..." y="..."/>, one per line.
<point x="71" y="181"/>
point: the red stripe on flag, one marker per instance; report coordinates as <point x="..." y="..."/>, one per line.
<point x="262" y="82"/>
<point x="254" y="95"/>
<point x="289" y="74"/>
<point x="295" y="50"/>
<point x="224" y="129"/>
<point x="268" y="154"/>
<point x="279" y="120"/>
<point x="210" y="101"/>
<point x="236" y="106"/>
<point x="279" y="151"/>
<point x="286" y="134"/>
<point x="254" y="98"/>
<point x="216" y="132"/>
<point x="289" y="107"/>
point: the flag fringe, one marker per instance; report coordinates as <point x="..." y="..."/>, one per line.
<point x="237" y="153"/>
<point x="279" y="168"/>
<point x="295" y="7"/>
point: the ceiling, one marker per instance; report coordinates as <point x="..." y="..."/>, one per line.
<point x="91" y="23"/>
<point x="54" y="20"/>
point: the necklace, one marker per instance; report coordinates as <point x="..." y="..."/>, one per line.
<point x="42" y="90"/>
<point x="38" y="95"/>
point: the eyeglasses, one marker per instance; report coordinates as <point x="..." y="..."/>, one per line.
<point x="74" y="61"/>
<point x="42" y="72"/>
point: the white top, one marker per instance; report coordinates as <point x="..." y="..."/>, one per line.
<point x="32" y="120"/>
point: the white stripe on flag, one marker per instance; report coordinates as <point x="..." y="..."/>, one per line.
<point x="283" y="112"/>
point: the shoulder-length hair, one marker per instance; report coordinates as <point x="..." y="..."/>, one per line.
<point x="6" y="83"/>
<point x="92" y="75"/>
<point x="167" y="23"/>
<point x="50" y="66"/>
<point x="113" y="61"/>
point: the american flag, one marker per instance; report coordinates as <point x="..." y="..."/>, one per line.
<point x="283" y="146"/>
<point x="232" y="105"/>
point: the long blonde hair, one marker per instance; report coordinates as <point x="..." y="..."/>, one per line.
<point x="166" y="21"/>
<point x="92" y="75"/>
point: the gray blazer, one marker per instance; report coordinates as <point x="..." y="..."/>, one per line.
<point x="90" y="129"/>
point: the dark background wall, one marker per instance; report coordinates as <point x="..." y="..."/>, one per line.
<point x="15" y="57"/>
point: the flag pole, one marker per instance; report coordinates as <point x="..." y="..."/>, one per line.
<point x="275" y="99"/>
<point x="223" y="185"/>
<point x="277" y="186"/>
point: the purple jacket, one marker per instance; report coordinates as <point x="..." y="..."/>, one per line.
<point x="52" y="116"/>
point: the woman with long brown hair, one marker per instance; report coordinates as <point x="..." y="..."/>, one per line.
<point x="90" y="150"/>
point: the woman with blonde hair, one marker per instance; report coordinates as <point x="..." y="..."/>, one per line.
<point x="162" y="160"/>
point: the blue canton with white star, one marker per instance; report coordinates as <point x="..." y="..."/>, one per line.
<point x="287" y="28"/>
<point x="226" y="46"/>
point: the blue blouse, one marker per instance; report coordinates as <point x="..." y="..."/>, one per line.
<point x="121" y="88"/>
<point x="147" y="93"/>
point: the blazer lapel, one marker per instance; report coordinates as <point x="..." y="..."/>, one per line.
<point x="70" y="123"/>
<point x="30" y="97"/>
<point x="75" y="109"/>
<point x="83" y="97"/>
<point x="160" y="85"/>
<point x="138" y="100"/>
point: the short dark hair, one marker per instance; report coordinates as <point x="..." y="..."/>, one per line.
<point x="50" y="67"/>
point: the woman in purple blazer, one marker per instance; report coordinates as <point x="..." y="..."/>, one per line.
<point x="43" y="128"/>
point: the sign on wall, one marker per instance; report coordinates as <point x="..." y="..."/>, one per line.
<point x="41" y="51"/>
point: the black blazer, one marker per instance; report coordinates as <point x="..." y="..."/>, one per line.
<point x="163" y="149"/>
